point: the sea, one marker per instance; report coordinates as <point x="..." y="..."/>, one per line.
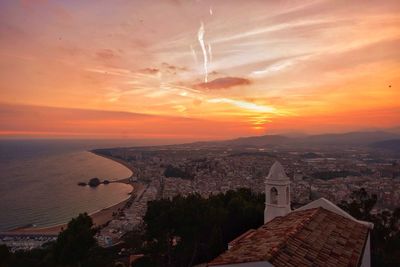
<point x="38" y="181"/>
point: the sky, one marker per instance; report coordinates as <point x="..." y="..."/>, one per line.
<point x="197" y="69"/>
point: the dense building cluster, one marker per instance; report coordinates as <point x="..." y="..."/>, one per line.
<point x="317" y="173"/>
<point x="25" y="242"/>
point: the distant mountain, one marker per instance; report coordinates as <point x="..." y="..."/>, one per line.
<point x="352" y="138"/>
<point x="252" y="141"/>
<point x="259" y="140"/>
<point x="294" y="134"/>
<point x="394" y="130"/>
<point x="393" y="145"/>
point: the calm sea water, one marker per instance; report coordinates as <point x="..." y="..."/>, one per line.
<point x="38" y="181"/>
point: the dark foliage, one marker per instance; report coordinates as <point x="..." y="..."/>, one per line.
<point x="172" y="171"/>
<point x="75" y="247"/>
<point x="189" y="230"/>
<point x="5" y="255"/>
<point x="310" y="155"/>
<point x="74" y="243"/>
<point x="360" y="204"/>
<point x="327" y="175"/>
<point x="385" y="237"/>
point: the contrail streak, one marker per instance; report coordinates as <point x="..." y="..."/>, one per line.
<point x="210" y="52"/>
<point x="200" y="37"/>
<point x="193" y="53"/>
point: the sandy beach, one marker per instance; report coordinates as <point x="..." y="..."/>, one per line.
<point x="99" y="218"/>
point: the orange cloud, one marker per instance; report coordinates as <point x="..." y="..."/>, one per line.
<point x="224" y="83"/>
<point x="149" y="71"/>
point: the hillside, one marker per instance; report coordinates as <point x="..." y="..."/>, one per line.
<point x="393" y="145"/>
<point x="352" y="138"/>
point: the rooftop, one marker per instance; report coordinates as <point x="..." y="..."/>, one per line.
<point x="301" y="238"/>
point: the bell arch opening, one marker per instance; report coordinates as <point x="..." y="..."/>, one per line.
<point x="287" y="195"/>
<point x="274" y="196"/>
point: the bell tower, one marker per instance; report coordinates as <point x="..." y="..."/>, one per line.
<point x="277" y="193"/>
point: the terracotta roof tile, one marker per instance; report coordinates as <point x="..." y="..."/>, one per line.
<point x="313" y="237"/>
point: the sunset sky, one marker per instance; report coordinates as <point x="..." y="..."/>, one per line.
<point x="195" y="70"/>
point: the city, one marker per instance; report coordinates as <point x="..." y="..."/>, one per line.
<point x="330" y="172"/>
<point x="179" y="133"/>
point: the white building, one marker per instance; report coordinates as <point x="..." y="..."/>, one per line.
<point x="317" y="234"/>
<point x="277" y="193"/>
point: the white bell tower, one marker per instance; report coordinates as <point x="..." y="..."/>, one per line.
<point x="277" y="193"/>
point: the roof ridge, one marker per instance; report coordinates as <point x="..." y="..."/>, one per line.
<point x="288" y="239"/>
<point x="292" y="233"/>
<point x="241" y="237"/>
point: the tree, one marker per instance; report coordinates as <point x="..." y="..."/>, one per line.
<point x="360" y="205"/>
<point x="385" y="236"/>
<point x="74" y="243"/>
<point x="172" y="171"/>
<point x="5" y="255"/>
<point x="75" y="246"/>
<point x="188" y="230"/>
<point x="386" y="239"/>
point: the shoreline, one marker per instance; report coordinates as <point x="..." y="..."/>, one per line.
<point x="100" y="217"/>
<point x="120" y="161"/>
